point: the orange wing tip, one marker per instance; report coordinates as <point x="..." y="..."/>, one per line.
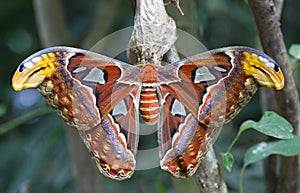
<point x="15" y="82"/>
<point x="33" y="71"/>
<point x="265" y="70"/>
<point x="279" y="85"/>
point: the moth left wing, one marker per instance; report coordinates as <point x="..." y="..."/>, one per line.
<point x="95" y="94"/>
<point x="81" y="86"/>
<point x="113" y="143"/>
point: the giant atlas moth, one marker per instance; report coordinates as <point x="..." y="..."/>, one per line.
<point x="189" y="100"/>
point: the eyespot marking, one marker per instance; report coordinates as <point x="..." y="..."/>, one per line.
<point x="21" y="68"/>
<point x="96" y="75"/>
<point x="120" y="109"/>
<point x="203" y="75"/>
<point x="79" y="69"/>
<point x="269" y="63"/>
<point x="25" y="65"/>
<point x="177" y="108"/>
<point x="220" y="69"/>
<point x="276" y="68"/>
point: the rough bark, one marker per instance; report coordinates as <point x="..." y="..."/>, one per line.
<point x="209" y="177"/>
<point x="268" y="103"/>
<point x="154" y="33"/>
<point x="288" y="99"/>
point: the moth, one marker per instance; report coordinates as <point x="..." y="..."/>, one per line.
<point x="188" y="100"/>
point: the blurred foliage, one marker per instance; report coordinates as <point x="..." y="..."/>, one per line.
<point x="34" y="156"/>
<point x="294" y="52"/>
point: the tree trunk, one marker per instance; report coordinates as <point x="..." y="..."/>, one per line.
<point x="288" y="99"/>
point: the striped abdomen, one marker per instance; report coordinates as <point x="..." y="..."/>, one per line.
<point x="149" y="103"/>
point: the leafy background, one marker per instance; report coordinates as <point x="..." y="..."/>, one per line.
<point x="34" y="156"/>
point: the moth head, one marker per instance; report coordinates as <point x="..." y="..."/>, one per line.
<point x="263" y="69"/>
<point x="34" y="70"/>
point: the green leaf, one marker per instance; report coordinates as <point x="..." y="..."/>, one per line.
<point x="295" y="63"/>
<point x="295" y="51"/>
<point x="288" y="147"/>
<point x="227" y="160"/>
<point x="270" y="124"/>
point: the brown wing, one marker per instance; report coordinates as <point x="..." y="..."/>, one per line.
<point x="211" y="88"/>
<point x="93" y="93"/>
<point x="182" y="139"/>
<point x="113" y="143"/>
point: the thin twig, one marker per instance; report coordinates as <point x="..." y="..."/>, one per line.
<point x="208" y="175"/>
<point x="176" y="3"/>
<point x="189" y="22"/>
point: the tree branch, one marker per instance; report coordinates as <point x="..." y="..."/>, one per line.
<point x="208" y="176"/>
<point x="100" y="27"/>
<point x="154" y="33"/>
<point x="268" y="103"/>
<point x="189" y="21"/>
<point x="51" y="22"/>
<point x="288" y="105"/>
